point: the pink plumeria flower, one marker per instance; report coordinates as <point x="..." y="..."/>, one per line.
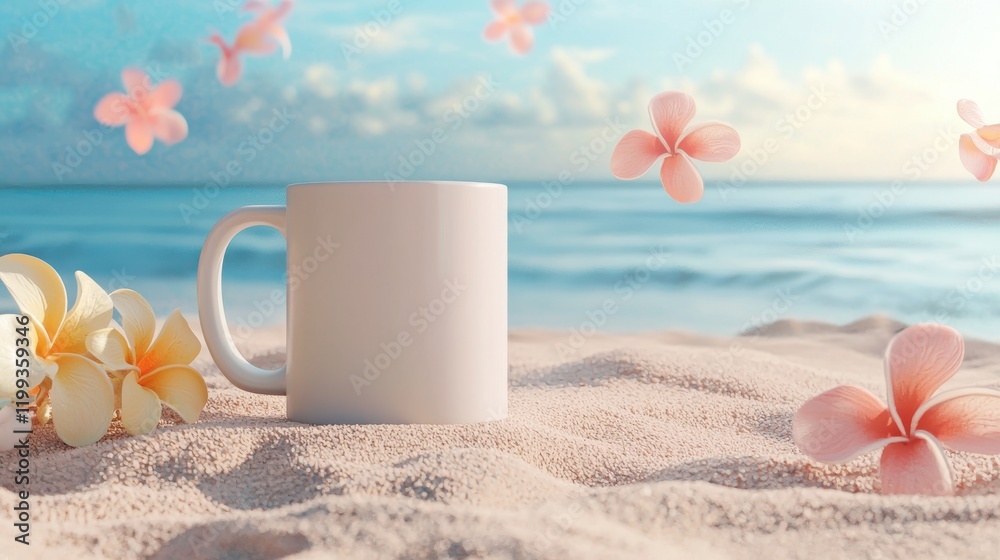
<point x="979" y="150"/>
<point x="671" y="112"/>
<point x="514" y="21"/>
<point x="147" y="112"/>
<point x="917" y="424"/>
<point x="259" y="37"/>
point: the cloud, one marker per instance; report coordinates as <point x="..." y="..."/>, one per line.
<point x="393" y="34"/>
<point x="828" y="122"/>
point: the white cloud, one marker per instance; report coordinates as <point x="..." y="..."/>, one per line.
<point x="321" y="79"/>
<point x="832" y="124"/>
<point x="403" y="32"/>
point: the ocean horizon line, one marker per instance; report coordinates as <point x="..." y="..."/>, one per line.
<point x="515" y="183"/>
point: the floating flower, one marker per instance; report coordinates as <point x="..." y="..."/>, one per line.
<point x="147" y="112"/>
<point x="148" y="371"/>
<point x="259" y="37"/>
<point x="979" y="150"/>
<point x="516" y="22"/>
<point x="671" y="112"/>
<point x="917" y="424"/>
<point x="76" y="392"/>
<point x="269" y="23"/>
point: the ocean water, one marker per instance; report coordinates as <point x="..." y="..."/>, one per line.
<point x="621" y="257"/>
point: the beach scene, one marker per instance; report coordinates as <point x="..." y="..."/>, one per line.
<point x="752" y="277"/>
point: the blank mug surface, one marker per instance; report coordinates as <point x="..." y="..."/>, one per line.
<point x="397" y="303"/>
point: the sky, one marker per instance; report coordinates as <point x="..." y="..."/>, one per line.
<point x="840" y="90"/>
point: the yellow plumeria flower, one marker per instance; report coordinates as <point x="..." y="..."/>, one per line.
<point x="77" y="389"/>
<point x="150" y="372"/>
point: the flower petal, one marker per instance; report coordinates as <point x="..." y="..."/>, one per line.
<point x="974" y="160"/>
<point x="37" y="368"/>
<point x="671" y="112"/>
<point x="93" y="310"/>
<point x="82" y="398"/>
<point x="918" y="361"/>
<point x="680" y="179"/>
<point x="139" y="136"/>
<point x="843" y="423"/>
<point x="111" y="349"/>
<point x="990" y="134"/>
<point x="36" y="288"/>
<point x="181" y="388"/>
<point x="141" y="408"/>
<point x="137" y="83"/>
<point x="495" y="31"/>
<point x="521" y="39"/>
<point x="635" y="153"/>
<point x="229" y="69"/>
<point x="918" y="466"/>
<point x="503" y="7"/>
<point x="176" y="345"/>
<point x="970" y="113"/>
<point x="168" y="126"/>
<point x="138" y="319"/>
<point x="710" y="142"/>
<point x="280" y="36"/>
<point x="983" y="144"/>
<point x="113" y="109"/>
<point x="963" y="420"/>
<point x="165" y="95"/>
<point x="253" y="38"/>
<point x="534" y="12"/>
<point x="9" y="423"/>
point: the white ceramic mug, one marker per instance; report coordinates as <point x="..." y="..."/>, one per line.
<point x="397" y="302"/>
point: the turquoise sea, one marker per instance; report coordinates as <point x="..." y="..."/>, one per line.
<point x="741" y="257"/>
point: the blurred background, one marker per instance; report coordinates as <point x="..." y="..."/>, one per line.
<point x="847" y="199"/>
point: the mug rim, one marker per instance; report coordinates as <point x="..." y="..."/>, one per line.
<point x="395" y="184"/>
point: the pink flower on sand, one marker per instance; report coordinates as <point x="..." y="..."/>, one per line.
<point x="147" y="112"/>
<point x="514" y="21"/>
<point x="917" y="424"/>
<point x="259" y="37"/>
<point x="979" y="150"/>
<point x="671" y="112"/>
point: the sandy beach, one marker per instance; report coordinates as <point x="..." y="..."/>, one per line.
<point x="659" y="445"/>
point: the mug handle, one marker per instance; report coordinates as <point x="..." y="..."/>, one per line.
<point x="214" y="327"/>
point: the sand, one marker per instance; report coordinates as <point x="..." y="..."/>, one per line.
<point x="661" y="445"/>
